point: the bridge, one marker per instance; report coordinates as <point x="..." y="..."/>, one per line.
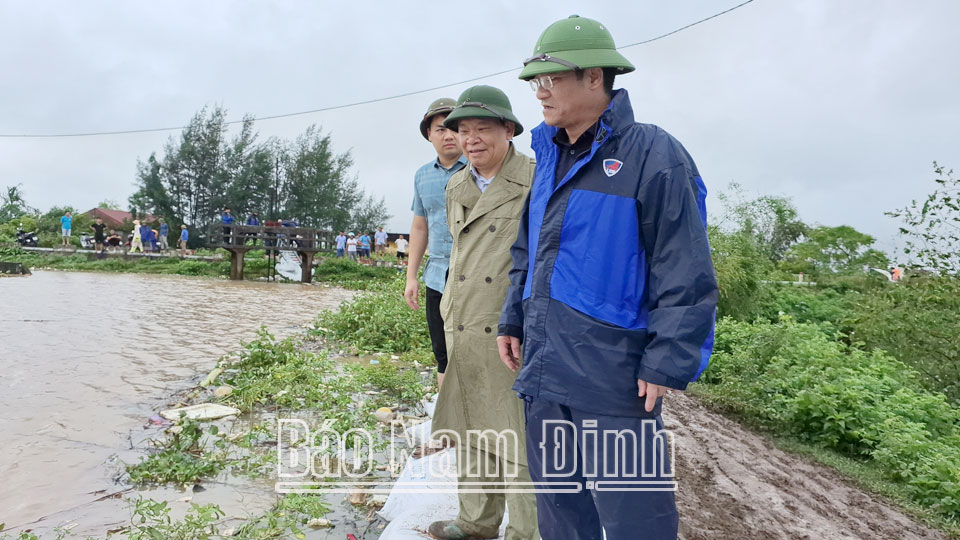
<point x="239" y="239"/>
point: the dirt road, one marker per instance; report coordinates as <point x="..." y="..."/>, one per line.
<point x="734" y="484"/>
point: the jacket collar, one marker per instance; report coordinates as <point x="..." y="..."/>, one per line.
<point x="509" y="183"/>
<point x="617" y="116"/>
<point x="461" y="162"/>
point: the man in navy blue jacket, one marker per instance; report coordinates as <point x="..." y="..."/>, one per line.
<point x="606" y="327"/>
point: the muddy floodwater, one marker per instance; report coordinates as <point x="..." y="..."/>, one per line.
<point x="86" y="359"/>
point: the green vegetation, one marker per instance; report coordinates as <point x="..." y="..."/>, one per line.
<point x="339" y="272"/>
<point x="350" y="275"/>
<point x="931" y="228"/>
<point x="379" y="320"/>
<point x="794" y="378"/>
<point x="856" y="371"/>
<point x="184" y="457"/>
<point x="204" y="170"/>
<point x="278" y="375"/>
<point x="141" y="265"/>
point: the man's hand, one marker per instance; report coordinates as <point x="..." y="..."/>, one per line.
<point x="650" y="390"/>
<point x="509" y="349"/>
<point x="412" y="292"/>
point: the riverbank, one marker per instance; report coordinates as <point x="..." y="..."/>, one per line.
<point x="338" y="272"/>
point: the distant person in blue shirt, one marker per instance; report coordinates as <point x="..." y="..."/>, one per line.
<point x="227" y="219"/>
<point x="164" y="231"/>
<point x="365" y="247"/>
<point x="66" y="225"/>
<point x="146" y="236"/>
<point x="252" y="221"/>
<point x="341" y="244"/>
<point x="380" y="243"/>
<point x="184" y="236"/>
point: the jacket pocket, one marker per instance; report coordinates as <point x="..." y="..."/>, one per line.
<point x="600" y="266"/>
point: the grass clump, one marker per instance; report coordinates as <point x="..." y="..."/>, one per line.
<point x="377" y="321"/>
<point x="278" y="373"/>
<point x="182" y="458"/>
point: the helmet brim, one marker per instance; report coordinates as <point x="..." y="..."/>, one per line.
<point x="590" y="58"/>
<point x="498" y="113"/>
<point x="427" y="118"/>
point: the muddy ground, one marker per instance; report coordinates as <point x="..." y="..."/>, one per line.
<point x="734" y="484"/>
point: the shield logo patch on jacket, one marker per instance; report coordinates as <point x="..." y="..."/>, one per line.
<point x="612" y="166"/>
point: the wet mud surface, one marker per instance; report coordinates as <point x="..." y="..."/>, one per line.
<point x="736" y="484"/>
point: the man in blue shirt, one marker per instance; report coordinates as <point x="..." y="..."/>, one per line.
<point x="66" y="226"/>
<point x="341" y="244"/>
<point x="365" y="247"/>
<point x="430" y="223"/>
<point x="227" y="219"/>
<point x="164" y="231"/>
<point x="184" y="236"/>
<point x="380" y="243"/>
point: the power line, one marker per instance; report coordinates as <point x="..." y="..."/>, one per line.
<point x="355" y="103"/>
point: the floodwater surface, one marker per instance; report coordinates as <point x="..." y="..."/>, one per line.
<point x="86" y="359"/>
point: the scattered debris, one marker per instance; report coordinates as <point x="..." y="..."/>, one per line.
<point x="212" y="376"/>
<point x="385" y="415"/>
<point x="319" y="523"/>
<point x="202" y="411"/>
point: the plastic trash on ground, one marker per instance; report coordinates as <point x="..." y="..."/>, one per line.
<point x="425" y="491"/>
<point x="202" y="411"/>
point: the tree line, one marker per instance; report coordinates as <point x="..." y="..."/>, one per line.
<point x="203" y="171"/>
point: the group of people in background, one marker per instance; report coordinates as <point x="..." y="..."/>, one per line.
<point x="143" y="238"/>
<point x="146" y="238"/>
<point x="358" y="249"/>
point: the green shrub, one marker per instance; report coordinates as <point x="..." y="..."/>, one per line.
<point x="378" y="321"/>
<point x="805" y="304"/>
<point x="918" y="322"/>
<point x="740" y="270"/>
<point x="799" y="379"/>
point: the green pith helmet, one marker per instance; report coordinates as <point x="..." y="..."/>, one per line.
<point x="574" y="43"/>
<point x="441" y="106"/>
<point x="483" y="102"/>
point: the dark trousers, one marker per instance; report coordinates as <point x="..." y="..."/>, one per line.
<point x="627" y="487"/>
<point x="435" y="325"/>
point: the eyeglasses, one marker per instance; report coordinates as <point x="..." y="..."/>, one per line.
<point x="544" y="81"/>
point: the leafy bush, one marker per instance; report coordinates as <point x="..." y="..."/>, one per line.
<point x="378" y="321"/>
<point x="804" y="304"/>
<point x="795" y="378"/>
<point x="918" y="322"/>
<point x="740" y="270"/>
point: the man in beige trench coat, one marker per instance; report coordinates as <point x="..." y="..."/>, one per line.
<point x="484" y="205"/>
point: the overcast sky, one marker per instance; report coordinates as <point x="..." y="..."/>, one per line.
<point x="840" y="105"/>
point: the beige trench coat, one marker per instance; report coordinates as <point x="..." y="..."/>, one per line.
<point x="476" y="392"/>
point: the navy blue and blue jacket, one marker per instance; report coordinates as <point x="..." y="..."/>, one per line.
<point x="612" y="279"/>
